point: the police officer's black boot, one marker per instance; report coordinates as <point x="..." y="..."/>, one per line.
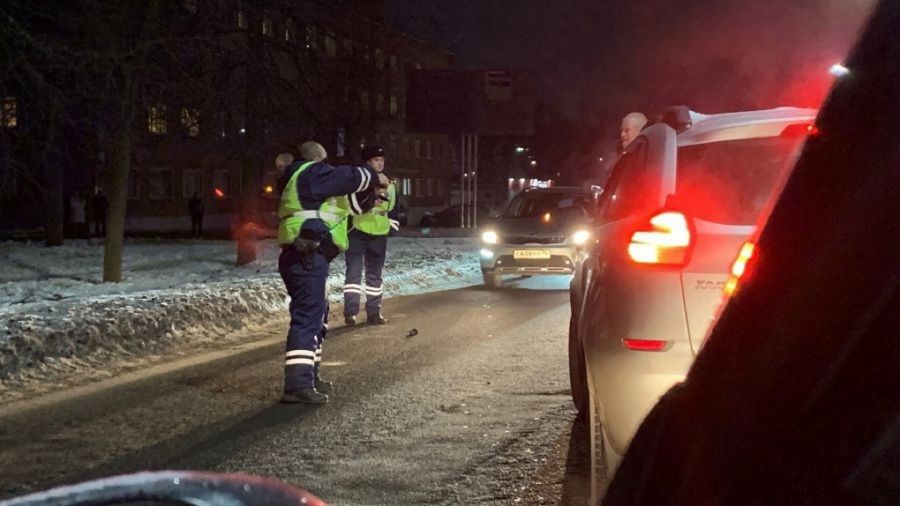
<point x="304" y="396"/>
<point x="378" y="319"/>
<point x="349" y="321"/>
<point x="322" y="386"/>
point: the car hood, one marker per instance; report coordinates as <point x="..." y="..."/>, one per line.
<point x="533" y="227"/>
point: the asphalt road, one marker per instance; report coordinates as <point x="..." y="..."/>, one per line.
<point x="472" y="409"/>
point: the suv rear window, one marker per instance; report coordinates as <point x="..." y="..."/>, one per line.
<point x="534" y="204"/>
<point x="730" y="182"/>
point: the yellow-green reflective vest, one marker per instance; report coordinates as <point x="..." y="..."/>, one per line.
<point x="333" y="212"/>
<point x="376" y="221"/>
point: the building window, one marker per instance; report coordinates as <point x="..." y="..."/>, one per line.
<point x="221" y="183"/>
<point x="241" y="18"/>
<point x="379" y="59"/>
<point x="406" y="186"/>
<point x="330" y="46"/>
<point x="191" y="182"/>
<point x="395" y="106"/>
<point x="379" y="103"/>
<point x="440" y="188"/>
<point x="417" y="148"/>
<point x="312" y="37"/>
<point x="420" y="188"/>
<point x="430" y="185"/>
<point x="364" y="100"/>
<point x="9" y="114"/>
<point x="159" y="184"/>
<point x="190" y="6"/>
<point x="268" y="26"/>
<point x="156" y="120"/>
<point x="134" y="184"/>
<point x="190" y="120"/>
<point x="289" y="31"/>
<point x="428" y="151"/>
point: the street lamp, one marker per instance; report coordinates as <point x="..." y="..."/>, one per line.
<point x="520" y="149"/>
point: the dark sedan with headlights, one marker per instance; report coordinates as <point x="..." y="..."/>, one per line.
<point x="540" y="232"/>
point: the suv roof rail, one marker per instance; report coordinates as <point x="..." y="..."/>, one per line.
<point x="678" y="117"/>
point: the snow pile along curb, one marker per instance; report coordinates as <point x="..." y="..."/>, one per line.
<point x="55" y="316"/>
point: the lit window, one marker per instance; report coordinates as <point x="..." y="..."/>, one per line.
<point x="156" y="120"/>
<point x="268" y="27"/>
<point x="289" y="30"/>
<point x="312" y="37"/>
<point x="330" y="45"/>
<point x="394" y="105"/>
<point x="190" y="120"/>
<point x="9" y="114"/>
<point x="242" y="19"/>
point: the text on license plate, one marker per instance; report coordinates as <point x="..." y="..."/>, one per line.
<point x="531" y="254"/>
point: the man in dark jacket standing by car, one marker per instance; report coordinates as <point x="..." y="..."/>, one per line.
<point x="368" y="245"/>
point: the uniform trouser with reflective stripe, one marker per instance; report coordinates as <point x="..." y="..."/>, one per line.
<point x="370" y="250"/>
<point x="309" y="310"/>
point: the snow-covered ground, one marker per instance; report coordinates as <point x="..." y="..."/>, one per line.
<point x="57" y="315"/>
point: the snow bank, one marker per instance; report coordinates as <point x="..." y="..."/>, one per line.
<point x="56" y="314"/>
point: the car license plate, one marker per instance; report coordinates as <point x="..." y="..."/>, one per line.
<point x="531" y="254"/>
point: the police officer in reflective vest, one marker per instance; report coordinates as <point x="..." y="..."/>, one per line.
<point x="368" y="246"/>
<point x="316" y="201"/>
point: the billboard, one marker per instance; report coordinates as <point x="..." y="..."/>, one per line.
<point x="482" y="102"/>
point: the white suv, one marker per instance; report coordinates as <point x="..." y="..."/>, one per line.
<point x="680" y="206"/>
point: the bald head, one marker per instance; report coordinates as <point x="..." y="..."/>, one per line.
<point x="313" y="151"/>
<point x="283" y="160"/>
<point x="632" y="124"/>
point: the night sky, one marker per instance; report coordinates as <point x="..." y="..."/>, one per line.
<point x="599" y="59"/>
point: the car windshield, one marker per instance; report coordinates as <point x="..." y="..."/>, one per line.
<point x="730" y="182"/>
<point x="533" y="205"/>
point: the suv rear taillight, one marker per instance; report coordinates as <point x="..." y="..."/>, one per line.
<point x="664" y="240"/>
<point x="739" y="268"/>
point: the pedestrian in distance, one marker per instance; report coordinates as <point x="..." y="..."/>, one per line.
<point x="100" y="206"/>
<point x="195" y="208"/>
<point x="368" y="247"/>
<point x="316" y="201"/>
<point x="78" y="215"/>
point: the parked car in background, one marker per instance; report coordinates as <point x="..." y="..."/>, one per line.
<point x="451" y="217"/>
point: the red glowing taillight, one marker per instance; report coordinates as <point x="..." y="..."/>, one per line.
<point x="645" y="344"/>
<point x="218" y="193"/>
<point x="739" y="268"/>
<point x="664" y="240"/>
